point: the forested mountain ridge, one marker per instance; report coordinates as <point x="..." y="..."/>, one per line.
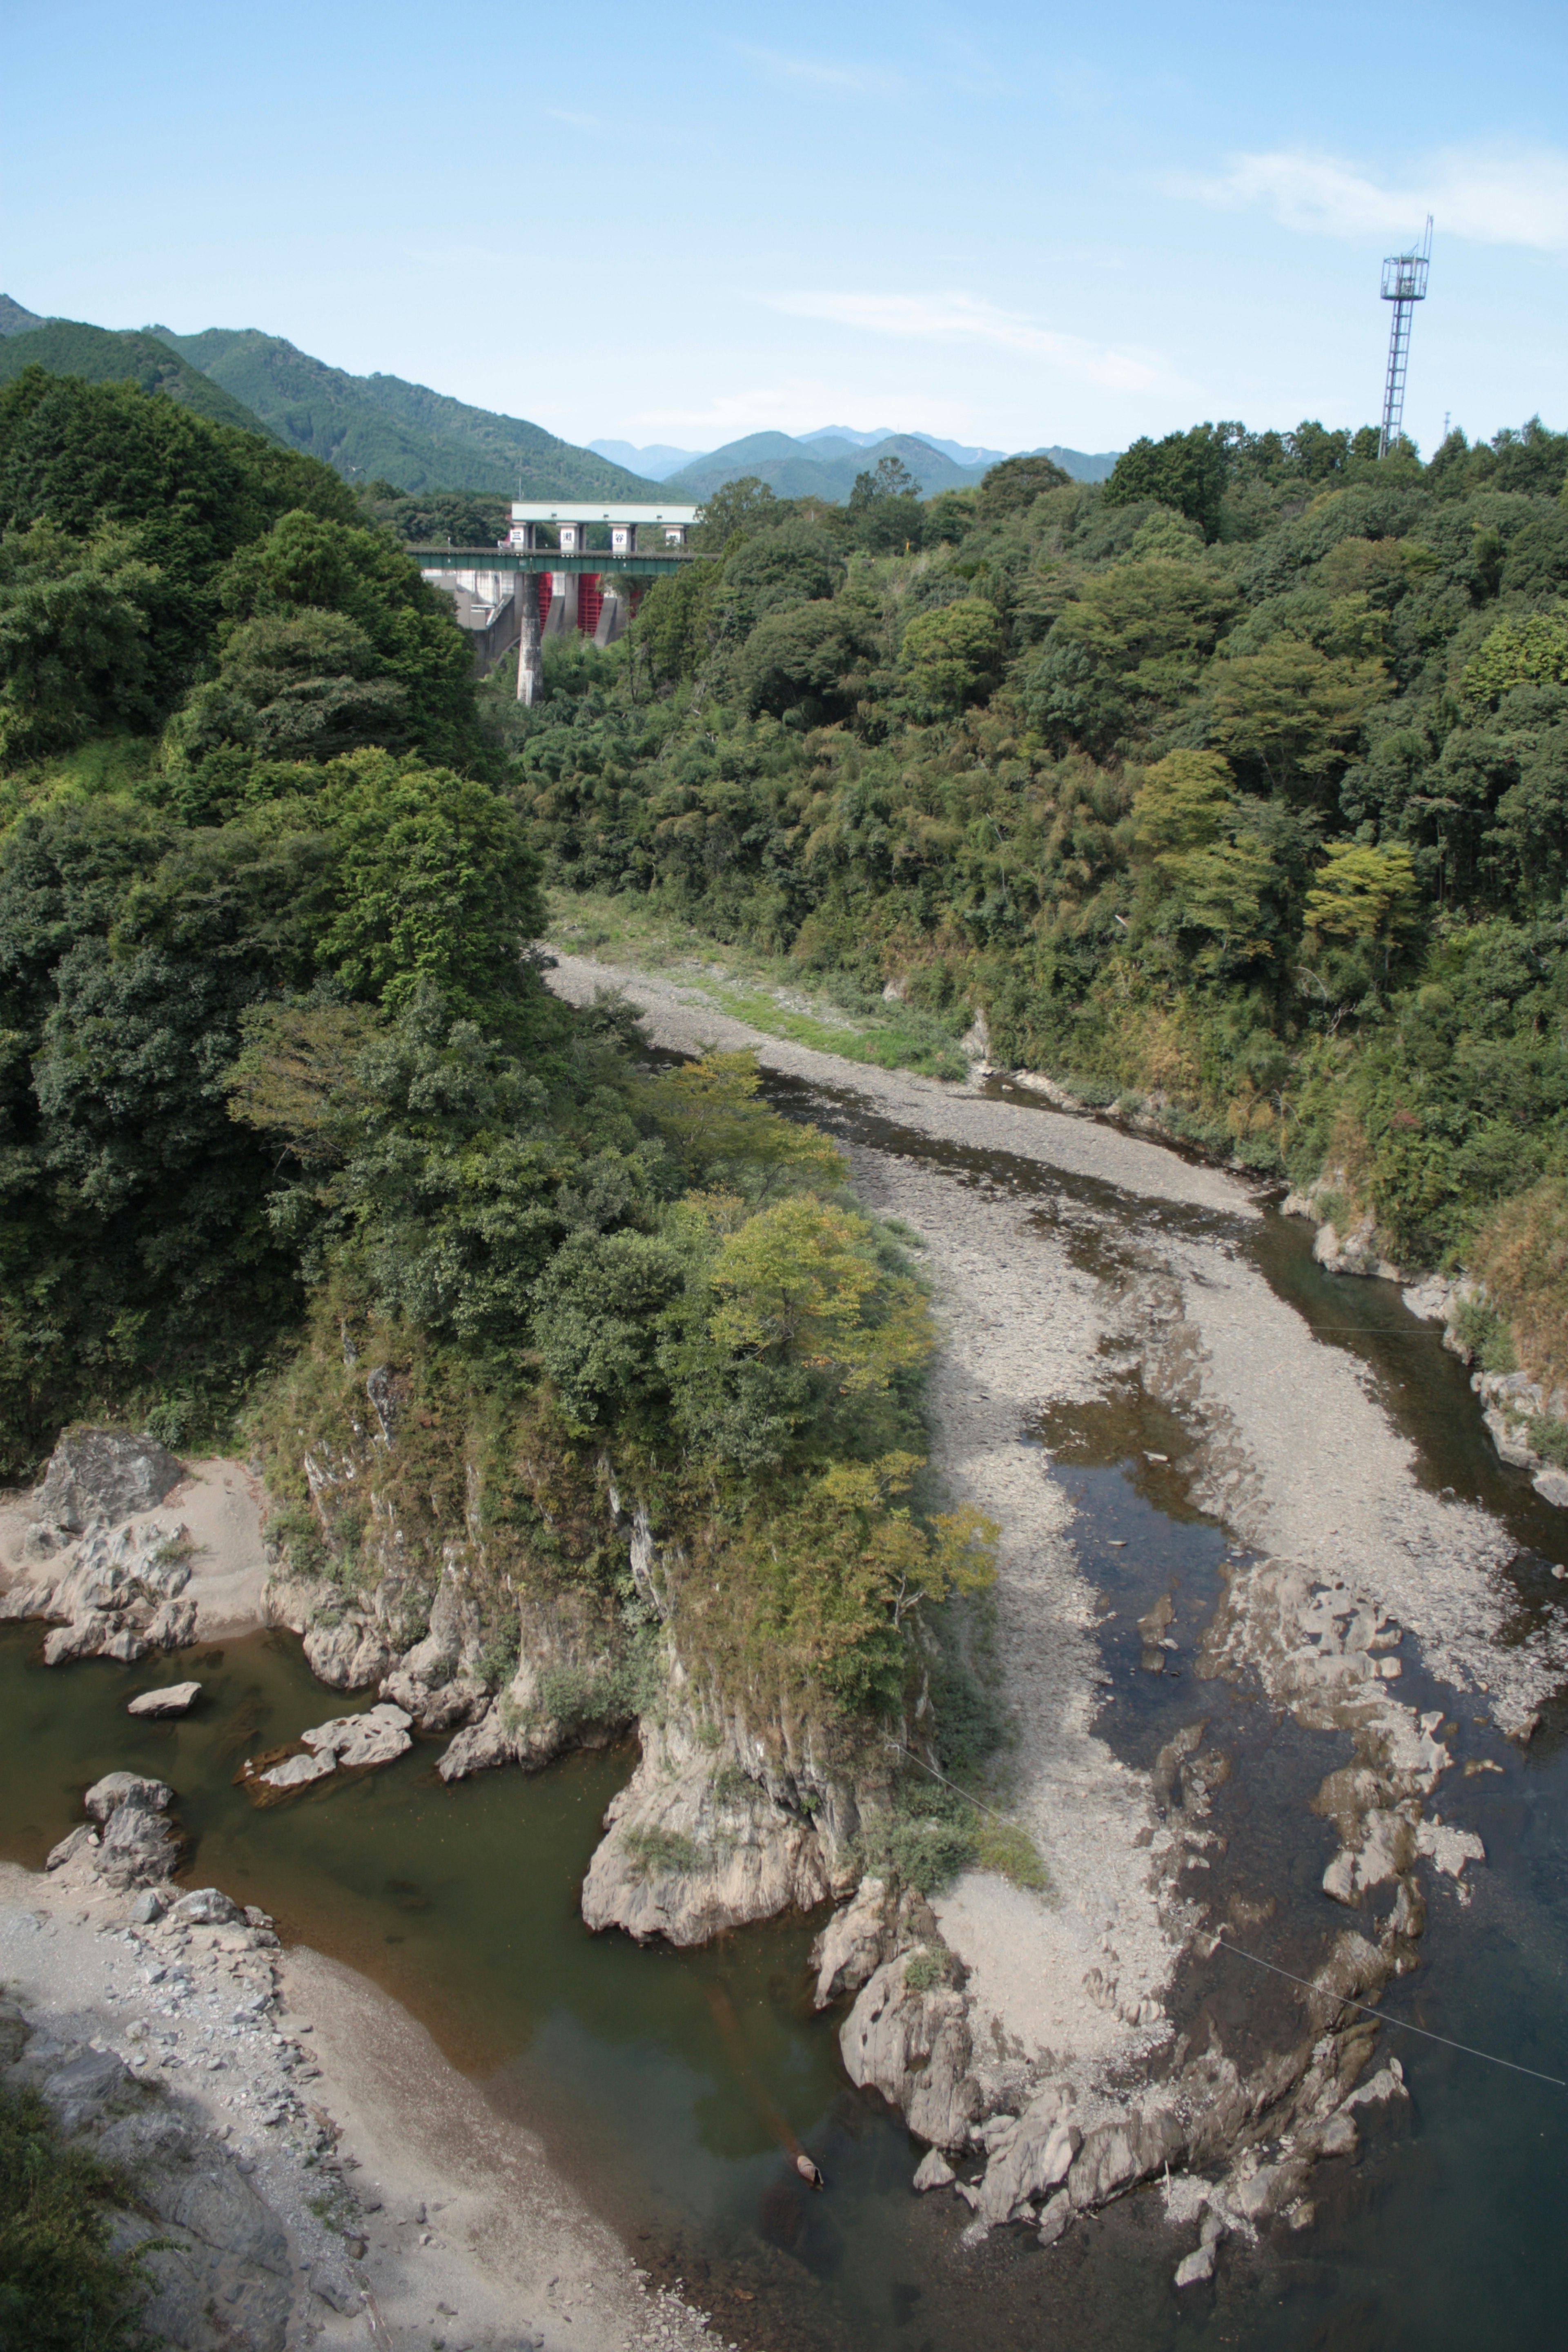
<point x="1234" y="791"/>
<point x="67" y="347"/>
<point x="378" y="427"/>
<point x="291" y="1128"/>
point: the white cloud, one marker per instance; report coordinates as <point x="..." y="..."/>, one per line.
<point x="827" y="79"/>
<point x="577" y="122"/>
<point x="1491" y="195"/>
<point x="966" y="318"/>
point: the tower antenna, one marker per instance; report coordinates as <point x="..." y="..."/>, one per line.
<point x="1403" y="285"/>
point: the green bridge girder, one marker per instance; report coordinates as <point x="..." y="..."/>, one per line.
<point x="549" y="559"/>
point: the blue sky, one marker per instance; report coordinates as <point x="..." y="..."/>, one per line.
<point x="1010" y="225"/>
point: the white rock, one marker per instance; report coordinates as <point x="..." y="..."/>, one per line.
<point x="933" y="2171"/>
<point x="117" y="1788"/>
<point x="1449" y="1848"/>
<point x="1055" y="2218"/>
<point x="1193" y="2268"/>
<point x="299" y="1770"/>
<point x="352" y="1741"/>
<point x="175" y="1698"/>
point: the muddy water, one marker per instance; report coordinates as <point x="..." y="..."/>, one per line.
<point x="653" y="2076"/>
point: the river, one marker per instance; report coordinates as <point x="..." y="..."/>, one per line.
<point x="650" y="2074"/>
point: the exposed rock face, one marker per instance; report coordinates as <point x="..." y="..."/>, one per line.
<point x="1033" y="2158"/>
<point x="114" y="1595"/>
<point x="695" y="1845"/>
<point x="1116" y="2155"/>
<point x="854" y="1944"/>
<point x="104" y="1473"/>
<point x="566" y="1691"/>
<point x="348" y="1655"/>
<point x="914" y="2047"/>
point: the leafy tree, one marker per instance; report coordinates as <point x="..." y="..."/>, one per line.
<point x="1012" y="486"/>
<point x="950" y="655"/>
<point x="74" y="622"/>
<point x="737" y="509"/>
<point x="884" y="513"/>
<point x="793" y="663"/>
<point x="1188" y="471"/>
<point x="800" y="1283"/>
<point x="436" y="885"/>
<point x="1291" y="714"/>
<point x="1364" y="892"/>
<point x="1534" y="650"/>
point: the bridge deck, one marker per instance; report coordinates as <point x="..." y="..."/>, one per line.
<point x="549" y="559"/>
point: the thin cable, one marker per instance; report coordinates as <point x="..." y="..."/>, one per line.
<point x="1006" y="1821"/>
<point x="1382" y="2016"/>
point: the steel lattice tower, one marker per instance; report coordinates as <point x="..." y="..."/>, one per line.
<point x="1403" y="285"/>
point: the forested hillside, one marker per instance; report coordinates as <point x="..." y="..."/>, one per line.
<point x="1234" y="792"/>
<point x="378" y="427"/>
<point x="66" y="346"/>
<point x="285" y="1109"/>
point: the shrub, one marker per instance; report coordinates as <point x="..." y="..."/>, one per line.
<point x="61" y="2287"/>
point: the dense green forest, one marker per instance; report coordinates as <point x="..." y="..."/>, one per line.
<point x="65" y="347"/>
<point x="1234" y="791"/>
<point x="284" y="1101"/>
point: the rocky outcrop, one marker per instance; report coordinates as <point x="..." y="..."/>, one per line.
<point x="695" y="1845"/>
<point x="213" y="2245"/>
<point x="349" y="1743"/>
<point x="855" y="1942"/>
<point x="114" y="1594"/>
<point x="913" y="2045"/>
<point x="138" y="1845"/>
<point x="103" y="1474"/>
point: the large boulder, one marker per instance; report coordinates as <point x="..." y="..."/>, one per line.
<point x="116" y="1789"/>
<point x="348" y="1655"/>
<point x="914" y="2046"/>
<point x="104" y="1473"/>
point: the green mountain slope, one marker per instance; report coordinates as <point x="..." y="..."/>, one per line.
<point x="16" y="320"/>
<point x="378" y="427"/>
<point x="68" y="347"/>
<point x="821" y="469"/>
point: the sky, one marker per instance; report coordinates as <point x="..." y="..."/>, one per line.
<point x="1014" y="226"/>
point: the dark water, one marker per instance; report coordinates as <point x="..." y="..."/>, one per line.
<point x="652" y="2074"/>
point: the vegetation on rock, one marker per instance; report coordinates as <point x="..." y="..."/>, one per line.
<point x="293" y="1129"/>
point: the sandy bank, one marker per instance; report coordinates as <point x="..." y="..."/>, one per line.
<point x="412" y="2213"/>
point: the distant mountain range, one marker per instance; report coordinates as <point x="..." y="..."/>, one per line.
<point x="824" y="464"/>
<point x="380" y="427"/>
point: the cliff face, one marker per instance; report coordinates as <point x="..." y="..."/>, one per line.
<point x="735" y="1812"/>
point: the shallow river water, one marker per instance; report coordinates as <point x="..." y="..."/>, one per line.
<point x="650" y="2074"/>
